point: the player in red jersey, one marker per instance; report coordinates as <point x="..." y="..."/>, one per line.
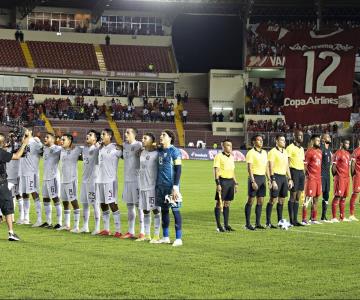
<point x="355" y="173"/>
<point x="313" y="157"/>
<point x="340" y="170"/>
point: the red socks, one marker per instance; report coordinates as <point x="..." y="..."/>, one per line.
<point x="352" y="203"/>
<point x="334" y="205"/>
<point x="313" y="213"/>
<point x="304" y="213"/>
<point x="342" y="209"/>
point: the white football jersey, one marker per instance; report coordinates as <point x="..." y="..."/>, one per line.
<point x="29" y="164"/>
<point x="108" y="163"/>
<point x="90" y="163"/>
<point x="148" y="170"/>
<point x="69" y="159"/>
<point x="51" y="162"/>
<point x="12" y="167"/>
<point x="131" y="161"/>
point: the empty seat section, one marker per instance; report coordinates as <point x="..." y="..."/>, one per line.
<point x="11" y="54"/>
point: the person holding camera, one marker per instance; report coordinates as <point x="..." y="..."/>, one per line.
<point x="6" y="201"/>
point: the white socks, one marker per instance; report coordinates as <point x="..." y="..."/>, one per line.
<point x="26" y="202"/>
<point x="38" y="210"/>
<point x="116" y="215"/>
<point x="48" y="210"/>
<point x="21" y="208"/>
<point x="86" y="215"/>
<point x="58" y="208"/>
<point x="97" y="216"/>
<point x="76" y="218"/>
<point x="147" y="223"/>
<point x="141" y="219"/>
<point x="106" y="219"/>
<point x="131" y="218"/>
<point x="67" y="217"/>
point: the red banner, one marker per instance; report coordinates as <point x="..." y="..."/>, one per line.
<point x="319" y="73"/>
<point x="265" y="61"/>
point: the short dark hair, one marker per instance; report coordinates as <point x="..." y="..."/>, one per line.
<point x="109" y="131"/>
<point x="254" y="137"/>
<point x="134" y="130"/>
<point x="69" y="136"/>
<point x="171" y="135"/>
<point x="96" y="133"/>
<point x="344" y="139"/>
<point x="151" y="135"/>
<point x="51" y="134"/>
<point x="279" y="135"/>
<point x="227" y="141"/>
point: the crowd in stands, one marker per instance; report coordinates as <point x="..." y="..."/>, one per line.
<point x="258" y="46"/>
<point x="264" y="101"/>
<point x="280" y="126"/>
<point x="18" y="106"/>
<point x="70" y="90"/>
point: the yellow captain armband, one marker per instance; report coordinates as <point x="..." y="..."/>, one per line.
<point x="177" y="162"/>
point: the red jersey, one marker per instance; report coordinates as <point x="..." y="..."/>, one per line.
<point x="356" y="157"/>
<point x="319" y="73"/>
<point x="342" y="161"/>
<point x="313" y="158"/>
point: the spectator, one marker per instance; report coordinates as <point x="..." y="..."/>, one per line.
<point x="151" y="67"/>
<point x="107" y="40"/>
<point x="221" y="117"/>
<point x="231" y="116"/>
<point x="214" y="117"/>
<point x="172" y="116"/>
<point x="184" y="116"/>
<point x="186" y="96"/>
<point x="17" y="35"/>
<point x="21" y="36"/>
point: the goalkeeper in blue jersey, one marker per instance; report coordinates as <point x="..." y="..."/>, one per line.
<point x="167" y="186"/>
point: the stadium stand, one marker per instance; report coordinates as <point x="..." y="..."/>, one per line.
<point x="137" y="58"/>
<point x="72" y="56"/>
<point x="11" y="54"/>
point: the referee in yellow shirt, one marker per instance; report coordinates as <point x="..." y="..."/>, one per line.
<point x="296" y="162"/>
<point x="280" y="179"/>
<point x="256" y="160"/>
<point x="226" y="184"/>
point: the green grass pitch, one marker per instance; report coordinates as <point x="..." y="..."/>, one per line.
<point x="319" y="261"/>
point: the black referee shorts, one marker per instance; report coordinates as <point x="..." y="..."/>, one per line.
<point x="283" y="188"/>
<point x="227" y="189"/>
<point x="6" y="202"/>
<point x="298" y="177"/>
<point x="261" y="183"/>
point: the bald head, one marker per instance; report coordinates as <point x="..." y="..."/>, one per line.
<point x="299" y="136"/>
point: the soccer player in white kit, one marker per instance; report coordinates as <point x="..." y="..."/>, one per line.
<point x="90" y="156"/>
<point x="29" y="178"/>
<point x="12" y="170"/>
<point x="69" y="181"/>
<point x="51" y="181"/>
<point x="147" y="182"/>
<point x="107" y="182"/>
<point x="131" y="156"/>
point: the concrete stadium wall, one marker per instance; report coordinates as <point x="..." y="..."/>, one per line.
<point x="197" y="84"/>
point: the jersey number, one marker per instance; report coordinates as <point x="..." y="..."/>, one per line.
<point x="320" y="82"/>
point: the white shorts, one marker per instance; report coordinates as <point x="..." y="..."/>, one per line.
<point x="68" y="191"/>
<point x="50" y="188"/>
<point x="88" y="193"/>
<point x="131" y="192"/>
<point x="147" y="200"/>
<point x="29" y="184"/>
<point x="107" y="192"/>
<point x="15" y="186"/>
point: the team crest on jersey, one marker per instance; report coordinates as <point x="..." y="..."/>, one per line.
<point x="132" y="148"/>
<point x="148" y="157"/>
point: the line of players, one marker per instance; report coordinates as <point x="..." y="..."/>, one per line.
<point x="151" y="183"/>
<point x="292" y="168"/>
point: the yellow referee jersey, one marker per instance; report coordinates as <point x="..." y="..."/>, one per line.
<point x="225" y="164"/>
<point x="296" y="156"/>
<point x="279" y="158"/>
<point x="258" y="161"/>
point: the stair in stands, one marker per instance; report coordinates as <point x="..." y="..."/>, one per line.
<point x="179" y="125"/>
<point x="198" y="110"/>
<point x="27" y="55"/>
<point x="100" y="58"/>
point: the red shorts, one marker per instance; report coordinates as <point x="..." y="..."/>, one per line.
<point x="313" y="187"/>
<point x="341" y="186"/>
<point x="356" y="184"/>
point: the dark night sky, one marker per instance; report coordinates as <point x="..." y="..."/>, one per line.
<point x="207" y="42"/>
